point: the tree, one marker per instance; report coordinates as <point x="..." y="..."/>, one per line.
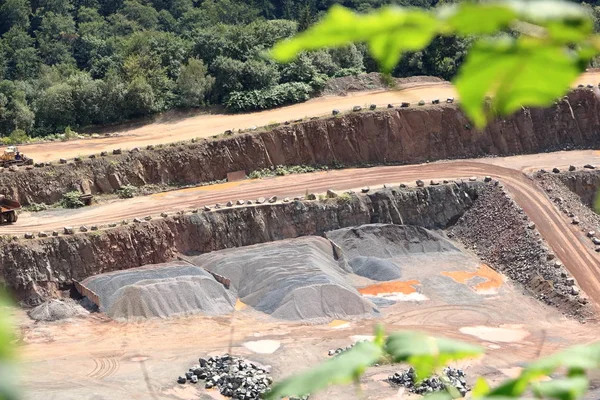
<point x="228" y="75"/>
<point x="145" y="16"/>
<point x="14" y="13"/>
<point x="257" y="74"/>
<point x="193" y="84"/>
<point x="55" y="37"/>
<point x="55" y="109"/>
<point x="139" y="98"/>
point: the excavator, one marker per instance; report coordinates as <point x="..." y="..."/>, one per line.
<point x="12" y="156"/>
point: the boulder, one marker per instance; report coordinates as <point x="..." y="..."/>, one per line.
<point x="421" y="102"/>
<point x="574" y="290"/>
<point x="62" y="161"/>
<point x="137" y="220"/>
<point x="83" y="228"/>
<point x="135" y="150"/>
<point x="575" y="221"/>
<point x="365" y="189"/>
<point x="286" y="200"/>
<point x="331" y="194"/>
<point x="473" y="179"/>
<point x="420" y="183"/>
<point x="596" y="241"/>
<point x="67" y="230"/>
<point x="335" y="112"/>
<point x="390" y="106"/>
<point x="356" y="108"/>
<point x="555" y="170"/>
<point x="117" y="151"/>
<point x="434" y="183"/>
<point x="29" y="236"/>
<point x="450" y="100"/>
<point x="572" y="168"/>
<point x="206" y="208"/>
<point x="103" y="153"/>
<point x="311" y="196"/>
<point x="372" y="107"/>
<point x="487" y="179"/>
<point x="589" y="166"/>
<point x="240" y="202"/>
<point x="229" y="203"/>
<point x="273" y="199"/>
<point x="405" y="104"/>
<point x="248" y="202"/>
<point x="94" y="227"/>
<point x="435" y="101"/>
<point x="149" y="217"/>
<point x="531" y="225"/>
<point x="260" y="200"/>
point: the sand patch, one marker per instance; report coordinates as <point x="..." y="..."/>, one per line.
<point x="263" y="346"/>
<point x="492" y="280"/>
<point x="240" y="305"/>
<point x="384" y="288"/>
<point x="492" y="334"/>
<point x="338" y="324"/>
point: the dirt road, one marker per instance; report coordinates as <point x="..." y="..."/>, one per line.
<point x="566" y="241"/>
<point x="172" y="129"/>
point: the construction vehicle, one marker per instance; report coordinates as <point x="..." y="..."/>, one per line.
<point x="8" y="210"/>
<point x="12" y="156"/>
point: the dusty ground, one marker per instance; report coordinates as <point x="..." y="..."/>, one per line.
<point x="174" y="129"/>
<point x="96" y="358"/>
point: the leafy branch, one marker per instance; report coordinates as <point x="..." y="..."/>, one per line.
<point x="525" y="53"/>
<point x="429" y="355"/>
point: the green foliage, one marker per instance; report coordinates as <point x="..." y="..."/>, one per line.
<point x="71" y="200"/>
<point x="69" y="134"/>
<point x="282" y="170"/>
<point x="193" y="84"/>
<point x="286" y="93"/>
<point x="554" y="41"/>
<point x="7" y="338"/>
<point x="429" y="355"/>
<point x="18" y="136"/>
<point x="127" y="191"/>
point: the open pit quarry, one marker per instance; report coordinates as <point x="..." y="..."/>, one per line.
<point x="434" y="235"/>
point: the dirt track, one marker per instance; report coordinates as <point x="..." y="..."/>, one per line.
<point x="172" y="129"/>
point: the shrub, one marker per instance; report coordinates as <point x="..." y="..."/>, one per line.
<point x="287" y="93"/>
<point x="71" y="200"/>
<point x="35" y="207"/>
<point x="18" y="136"/>
<point x="126" y="191"/>
<point x="69" y="134"/>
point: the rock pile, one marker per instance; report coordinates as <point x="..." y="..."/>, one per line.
<point x="233" y="376"/>
<point x="340" y="350"/>
<point x="408" y="379"/>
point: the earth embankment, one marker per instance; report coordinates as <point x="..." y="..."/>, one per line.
<point x="401" y="136"/>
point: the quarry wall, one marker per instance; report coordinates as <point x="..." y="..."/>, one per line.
<point x="399" y="136"/>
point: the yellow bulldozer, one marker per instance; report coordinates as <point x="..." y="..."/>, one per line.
<point x="12" y="156"/>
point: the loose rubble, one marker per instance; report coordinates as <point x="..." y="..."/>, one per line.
<point x="232" y="376"/>
<point x="408" y="379"/>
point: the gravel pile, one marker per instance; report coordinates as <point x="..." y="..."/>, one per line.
<point x="56" y="310"/>
<point x="500" y="233"/>
<point x="378" y="251"/>
<point x="232" y="376"/>
<point x="163" y="290"/>
<point x="294" y="279"/>
<point x="408" y="379"/>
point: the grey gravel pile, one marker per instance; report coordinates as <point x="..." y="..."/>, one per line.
<point x="55" y="310"/>
<point x="233" y="376"/>
<point x="378" y="251"/>
<point x="293" y="279"/>
<point x="163" y="290"/>
<point x="408" y="379"/>
<point x="340" y="350"/>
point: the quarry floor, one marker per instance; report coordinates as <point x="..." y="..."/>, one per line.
<point x="97" y="358"/>
<point x="172" y="128"/>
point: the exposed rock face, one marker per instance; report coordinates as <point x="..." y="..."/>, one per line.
<point x="496" y="229"/>
<point x="583" y="183"/>
<point x="36" y="267"/>
<point x="407" y="135"/>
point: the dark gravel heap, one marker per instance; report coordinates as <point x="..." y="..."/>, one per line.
<point x="234" y="377"/>
<point x="408" y="378"/>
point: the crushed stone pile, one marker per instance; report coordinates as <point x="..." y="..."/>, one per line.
<point x="377" y="251"/>
<point x="233" y="376"/>
<point x="294" y="279"/>
<point x="164" y="290"/>
<point x="408" y="379"/>
<point x="56" y="310"/>
<point x="340" y="350"/>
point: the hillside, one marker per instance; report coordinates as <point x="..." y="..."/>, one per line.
<point x="77" y="63"/>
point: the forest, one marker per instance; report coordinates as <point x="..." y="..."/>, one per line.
<point x="70" y="64"/>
